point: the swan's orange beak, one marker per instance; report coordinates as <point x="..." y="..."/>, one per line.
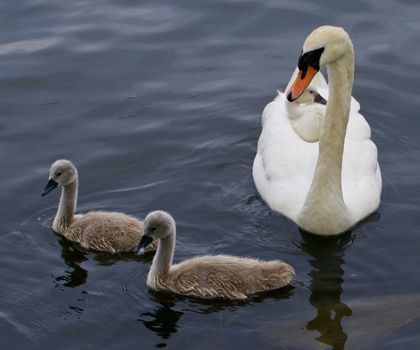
<point x="301" y="83"/>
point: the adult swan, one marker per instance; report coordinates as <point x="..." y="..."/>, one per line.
<point x="325" y="187"/>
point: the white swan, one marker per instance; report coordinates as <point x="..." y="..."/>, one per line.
<point x="328" y="186"/>
<point x="208" y="276"/>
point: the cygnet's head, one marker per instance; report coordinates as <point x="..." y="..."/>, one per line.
<point x="157" y="225"/>
<point x="62" y="173"/>
<point x="311" y="95"/>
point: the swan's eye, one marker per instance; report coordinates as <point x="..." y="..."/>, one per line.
<point x="311" y="91"/>
<point x="58" y="174"/>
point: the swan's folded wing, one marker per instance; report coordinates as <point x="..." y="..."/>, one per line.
<point x="357" y="128"/>
<point x="284" y="163"/>
<point x="354" y="105"/>
<point x="361" y="175"/>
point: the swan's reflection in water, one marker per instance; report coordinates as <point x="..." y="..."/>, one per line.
<point x="327" y="260"/>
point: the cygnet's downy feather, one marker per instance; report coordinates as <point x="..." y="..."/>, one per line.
<point x="101" y="231"/>
<point x="207" y="277"/>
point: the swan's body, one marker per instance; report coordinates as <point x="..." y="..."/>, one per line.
<point x="328" y="186"/>
<point x="102" y="231"/>
<point x="207" y="277"/>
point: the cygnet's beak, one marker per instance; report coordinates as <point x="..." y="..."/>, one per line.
<point x="319" y="99"/>
<point x="144" y="242"/>
<point x="51" y="184"/>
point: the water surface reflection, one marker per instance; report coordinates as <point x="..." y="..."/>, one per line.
<point x="327" y="260"/>
<point x="74" y="275"/>
<point x="163" y="319"/>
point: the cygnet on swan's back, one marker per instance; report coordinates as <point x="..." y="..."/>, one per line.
<point x="207" y="277"/>
<point x="102" y="231"/>
<point x="306" y="114"/>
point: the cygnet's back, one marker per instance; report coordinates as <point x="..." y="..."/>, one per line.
<point x="230" y="277"/>
<point x="108" y="231"/>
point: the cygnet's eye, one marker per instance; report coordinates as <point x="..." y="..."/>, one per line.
<point x="153" y="228"/>
<point x="58" y="174"/>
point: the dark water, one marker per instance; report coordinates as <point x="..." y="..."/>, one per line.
<point x="159" y="103"/>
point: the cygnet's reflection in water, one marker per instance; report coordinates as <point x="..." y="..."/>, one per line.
<point x="73" y="256"/>
<point x="327" y="260"/>
<point x="106" y="259"/>
<point x="164" y="318"/>
<point x="217" y="305"/>
<point x="74" y="275"/>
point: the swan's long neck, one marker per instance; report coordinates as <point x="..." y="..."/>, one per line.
<point x="66" y="208"/>
<point x="162" y="260"/>
<point x="324" y="201"/>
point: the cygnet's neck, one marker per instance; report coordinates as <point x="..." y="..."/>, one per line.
<point x="67" y="206"/>
<point x="164" y="254"/>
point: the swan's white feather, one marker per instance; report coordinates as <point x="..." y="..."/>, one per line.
<point x="285" y="164"/>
